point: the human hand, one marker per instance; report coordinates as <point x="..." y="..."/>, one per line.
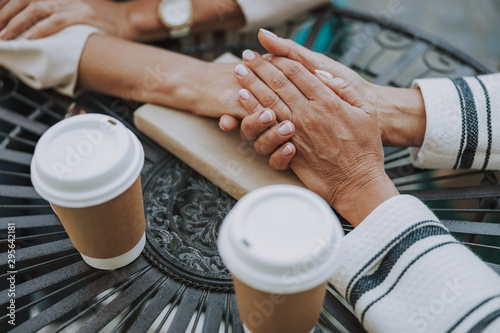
<point x="337" y="138"/>
<point x="216" y="91"/>
<point x="401" y="112"/>
<point x="42" y="18"/>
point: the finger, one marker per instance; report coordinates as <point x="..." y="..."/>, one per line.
<point x="2" y="3"/>
<point x="228" y="123"/>
<point x="254" y="124"/>
<point x="268" y="98"/>
<point x="274" y="78"/>
<point x="281" y="158"/>
<point x="8" y="11"/>
<point x="311" y="60"/>
<point x="342" y="89"/>
<point x="308" y="84"/>
<point x="271" y="139"/>
<point x="25" y="19"/>
<point x="54" y="23"/>
<point x="249" y="102"/>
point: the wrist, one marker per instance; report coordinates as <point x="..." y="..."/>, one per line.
<point x="211" y="15"/>
<point x="401" y="114"/>
<point x="141" y="21"/>
<point x="360" y="199"/>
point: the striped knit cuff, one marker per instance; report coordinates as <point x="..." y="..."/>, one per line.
<point x="402" y="271"/>
<point x="375" y="237"/>
<point x="460" y="133"/>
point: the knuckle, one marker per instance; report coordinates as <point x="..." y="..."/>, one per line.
<point x="250" y="80"/>
<point x="259" y="149"/>
<point x="246" y="130"/>
<point x="58" y="20"/>
<point x="270" y="101"/>
<point x="278" y="163"/>
<point x="278" y="81"/>
<point x="295" y="70"/>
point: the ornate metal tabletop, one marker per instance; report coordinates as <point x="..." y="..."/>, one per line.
<point x="179" y="283"/>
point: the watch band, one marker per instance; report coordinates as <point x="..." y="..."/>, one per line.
<point x="180" y="32"/>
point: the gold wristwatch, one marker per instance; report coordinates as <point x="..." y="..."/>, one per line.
<point x="177" y="16"/>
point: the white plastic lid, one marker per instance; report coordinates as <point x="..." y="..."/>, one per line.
<point x="280" y="239"/>
<point x="85" y="161"/>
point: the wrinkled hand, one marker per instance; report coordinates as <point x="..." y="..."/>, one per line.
<point x="336" y="132"/>
<point x="401" y="112"/>
<point x="42" y="18"/>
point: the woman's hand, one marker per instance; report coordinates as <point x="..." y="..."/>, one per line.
<point x="153" y="75"/>
<point x="216" y="91"/>
<point x="337" y="138"/>
<point x="135" y="20"/>
<point x="401" y="112"/>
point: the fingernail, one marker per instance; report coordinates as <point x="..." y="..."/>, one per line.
<point x="338" y="81"/>
<point x="268" y="33"/>
<point x="266" y="117"/>
<point x="248" y="55"/>
<point x="244" y="94"/>
<point x="268" y="57"/>
<point x="287" y="150"/>
<point x="285" y="129"/>
<point x="325" y="75"/>
<point x="241" y="70"/>
<point x="222" y="128"/>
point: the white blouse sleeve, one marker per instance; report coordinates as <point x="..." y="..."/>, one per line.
<point x="261" y="13"/>
<point x="463" y="123"/>
<point x="50" y="62"/>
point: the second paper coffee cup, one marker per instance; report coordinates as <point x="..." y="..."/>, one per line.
<point x="88" y="167"/>
<point x="279" y="242"/>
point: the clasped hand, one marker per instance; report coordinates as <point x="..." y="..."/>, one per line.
<point x="326" y="132"/>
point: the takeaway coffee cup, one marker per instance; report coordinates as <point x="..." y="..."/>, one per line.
<point x="279" y="243"/>
<point x="88" y="167"/>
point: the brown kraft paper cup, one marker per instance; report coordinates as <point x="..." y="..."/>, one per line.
<point x="107" y="230"/>
<point x="279" y="243"/>
<point x="88" y="167"/>
<point x="263" y="312"/>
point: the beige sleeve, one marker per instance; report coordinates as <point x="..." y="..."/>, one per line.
<point x="261" y="13"/>
<point x="50" y="62"/>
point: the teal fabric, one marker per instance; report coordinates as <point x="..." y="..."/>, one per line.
<point x="325" y="35"/>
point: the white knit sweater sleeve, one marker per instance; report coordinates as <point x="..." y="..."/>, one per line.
<point x="463" y="123"/>
<point x="402" y="271"/>
<point x="262" y="13"/>
<point x="50" y="62"/>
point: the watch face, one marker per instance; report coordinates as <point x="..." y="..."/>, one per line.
<point x="176" y="13"/>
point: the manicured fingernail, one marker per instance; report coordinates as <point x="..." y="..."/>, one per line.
<point x="338" y="81"/>
<point x="285" y="129"/>
<point x="268" y="33"/>
<point x="266" y="117"/>
<point x="244" y="94"/>
<point x="268" y="57"/>
<point x="241" y="70"/>
<point x="248" y="55"/>
<point x="287" y="150"/>
<point x="222" y="128"/>
<point x="324" y="75"/>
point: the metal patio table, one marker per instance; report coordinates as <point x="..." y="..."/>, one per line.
<point x="179" y="283"/>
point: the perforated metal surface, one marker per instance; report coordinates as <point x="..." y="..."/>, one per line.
<point x="179" y="283"/>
